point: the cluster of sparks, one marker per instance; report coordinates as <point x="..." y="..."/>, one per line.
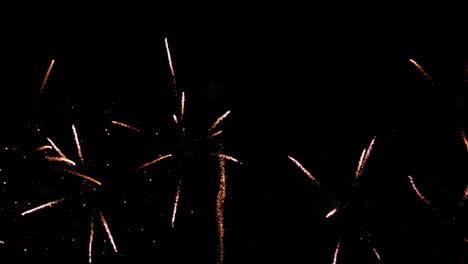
<point x="359" y="171"/>
<point x="212" y="132"/>
<point x="72" y="170"/>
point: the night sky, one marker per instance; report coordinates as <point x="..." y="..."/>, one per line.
<point x="306" y="88"/>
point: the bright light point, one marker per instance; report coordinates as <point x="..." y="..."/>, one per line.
<point x="332" y="212"/>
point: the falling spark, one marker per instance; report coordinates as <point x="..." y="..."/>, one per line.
<point x="364" y="157"/>
<point x="154" y="161"/>
<point x="465" y="140"/>
<point x="47" y="76"/>
<point x="367" y="237"/>
<point x="424" y="73"/>
<point x="360" y="164"/>
<point x="176" y="201"/>
<point x="170" y="65"/>
<point x="332" y="212"/>
<point x="91" y="238"/>
<point x="109" y="234"/>
<point x="61" y="159"/>
<point x="182" y="105"/>
<point x="376" y="253"/>
<point x="335" y="256"/>
<point x="126" y="126"/>
<point x="216" y="134"/>
<point x="224" y="156"/>
<point x="49" y="204"/>
<point x="43" y="148"/>
<point x="176" y="121"/>
<point x="299" y="165"/>
<point x="56" y="148"/>
<point x="220" y="207"/>
<point x="78" y="146"/>
<point x="86" y="177"/>
<point x="221" y="118"/>
<point x="417" y="191"/>
<point x="465" y="195"/>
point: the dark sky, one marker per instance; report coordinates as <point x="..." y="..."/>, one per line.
<point x="316" y="89"/>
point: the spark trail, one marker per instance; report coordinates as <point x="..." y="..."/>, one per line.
<point x="420" y="68"/>
<point x="416" y="190"/>
<point x="51" y="65"/>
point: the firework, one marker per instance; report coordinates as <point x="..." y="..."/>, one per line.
<point x="69" y="167"/>
<point x="359" y="171"/>
<point x="212" y="134"/>
<point x="421" y="70"/>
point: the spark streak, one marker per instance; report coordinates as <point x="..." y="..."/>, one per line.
<point x="168" y="52"/>
<point x="109" y="234"/>
<point x="154" y="161"/>
<point x="332" y="212"/>
<point x="217" y="133"/>
<point x="47" y="76"/>
<point x="126" y="126"/>
<point x="90" y="243"/>
<point x="299" y="165"/>
<point x="224" y="156"/>
<point x="61" y="159"/>
<point x="78" y="146"/>
<point x="420" y="68"/>
<point x="221" y="197"/>
<point x="219" y="120"/>
<point x="86" y="177"/>
<point x="56" y="148"/>
<point x="182" y="106"/>
<point x="417" y="191"/>
<point x="49" y="204"/>
<point x="41" y="148"/>
<point x="465" y="195"/>
<point x="364" y="157"/>
<point x="367" y="237"/>
<point x="176" y="201"/>
<point x="335" y="256"/>
<point x="465" y="140"/>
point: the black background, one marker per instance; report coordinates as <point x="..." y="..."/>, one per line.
<point x="317" y="86"/>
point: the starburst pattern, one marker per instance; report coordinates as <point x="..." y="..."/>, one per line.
<point x="183" y="145"/>
<point x="344" y="209"/>
<point x="65" y="165"/>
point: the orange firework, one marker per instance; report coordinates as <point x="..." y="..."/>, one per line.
<point x="212" y="133"/>
<point x="359" y="171"/>
<point x="70" y="168"/>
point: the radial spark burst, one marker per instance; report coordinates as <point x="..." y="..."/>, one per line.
<point x="90" y="186"/>
<point x="344" y="209"/>
<point x="188" y="146"/>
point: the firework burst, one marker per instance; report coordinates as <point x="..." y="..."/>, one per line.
<point x="90" y="187"/>
<point x="186" y="148"/>
<point x="344" y="209"/>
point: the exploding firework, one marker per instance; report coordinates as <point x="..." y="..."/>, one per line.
<point x="187" y="148"/>
<point x="344" y="209"/>
<point x="89" y="187"/>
